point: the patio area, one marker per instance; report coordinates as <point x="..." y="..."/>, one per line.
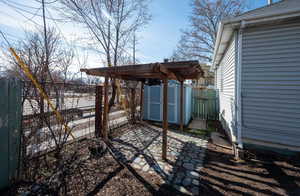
<point x="141" y="147"/>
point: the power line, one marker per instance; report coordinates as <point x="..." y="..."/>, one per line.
<point x="66" y="40"/>
<point x="26" y="11"/>
<point x="51" y="2"/>
<point x="36" y="13"/>
<point x="14" y="8"/>
<point x="11" y="17"/>
<point x="20" y="4"/>
<point x="2" y="34"/>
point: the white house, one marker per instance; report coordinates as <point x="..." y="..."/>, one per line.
<point x="257" y="74"/>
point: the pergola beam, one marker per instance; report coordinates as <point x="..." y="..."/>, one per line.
<point x="170" y="74"/>
<point x="172" y="70"/>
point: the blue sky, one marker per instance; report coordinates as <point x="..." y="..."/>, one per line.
<point x="160" y="37"/>
<point x="156" y="41"/>
<point x="169" y="17"/>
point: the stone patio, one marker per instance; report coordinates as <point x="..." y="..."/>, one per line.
<point x="142" y="146"/>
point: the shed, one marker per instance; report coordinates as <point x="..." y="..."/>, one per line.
<point x="153" y="106"/>
<point x="152" y="73"/>
<point x="257" y="67"/>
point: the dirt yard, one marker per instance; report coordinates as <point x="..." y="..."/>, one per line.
<point x="93" y="175"/>
<point x="262" y="174"/>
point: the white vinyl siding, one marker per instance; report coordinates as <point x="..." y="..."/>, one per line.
<point x="226" y="78"/>
<point x="218" y="78"/>
<point x="271" y="84"/>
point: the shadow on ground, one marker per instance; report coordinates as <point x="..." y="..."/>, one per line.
<point x="264" y="174"/>
<point x="141" y="147"/>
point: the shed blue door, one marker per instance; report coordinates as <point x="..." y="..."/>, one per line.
<point x="172" y="113"/>
<point x="155" y="102"/>
<point x="153" y="107"/>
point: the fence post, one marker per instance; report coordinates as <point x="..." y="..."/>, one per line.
<point x="105" y="114"/>
<point x="132" y="104"/>
<point x="98" y="111"/>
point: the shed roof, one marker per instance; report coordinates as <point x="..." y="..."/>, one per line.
<point x="180" y="70"/>
<point x="279" y="11"/>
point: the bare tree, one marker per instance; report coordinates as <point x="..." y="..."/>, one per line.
<point x="198" y="41"/>
<point x="46" y="159"/>
<point x="33" y="53"/>
<point x="111" y="24"/>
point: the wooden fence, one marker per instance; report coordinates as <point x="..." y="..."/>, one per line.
<point x="10" y="127"/>
<point x="205" y="104"/>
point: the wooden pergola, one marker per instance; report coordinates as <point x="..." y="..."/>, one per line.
<point x="180" y="71"/>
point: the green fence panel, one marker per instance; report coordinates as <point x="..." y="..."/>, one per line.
<point x="205" y="104"/>
<point x="10" y="127"/>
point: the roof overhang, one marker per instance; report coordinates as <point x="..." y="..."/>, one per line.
<point x="276" y="12"/>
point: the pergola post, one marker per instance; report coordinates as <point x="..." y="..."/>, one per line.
<point x="105" y="114"/>
<point x="181" y="105"/>
<point x="165" y="119"/>
<point x="133" y="108"/>
<point x="98" y="111"/>
<point x="142" y="101"/>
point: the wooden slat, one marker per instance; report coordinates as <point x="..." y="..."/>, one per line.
<point x="168" y="73"/>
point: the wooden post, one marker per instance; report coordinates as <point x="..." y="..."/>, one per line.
<point x="141" y="102"/>
<point x="98" y="111"/>
<point x="181" y="105"/>
<point x="105" y="114"/>
<point x="132" y="105"/>
<point x="165" y="119"/>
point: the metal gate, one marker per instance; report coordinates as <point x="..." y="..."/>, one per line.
<point x="10" y="126"/>
<point x="205" y="104"/>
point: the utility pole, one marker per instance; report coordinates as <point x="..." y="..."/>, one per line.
<point x="45" y="69"/>
<point x="45" y="63"/>
<point x="45" y="33"/>
<point x="134" y="43"/>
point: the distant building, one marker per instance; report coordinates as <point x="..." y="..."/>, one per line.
<point x="207" y="81"/>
